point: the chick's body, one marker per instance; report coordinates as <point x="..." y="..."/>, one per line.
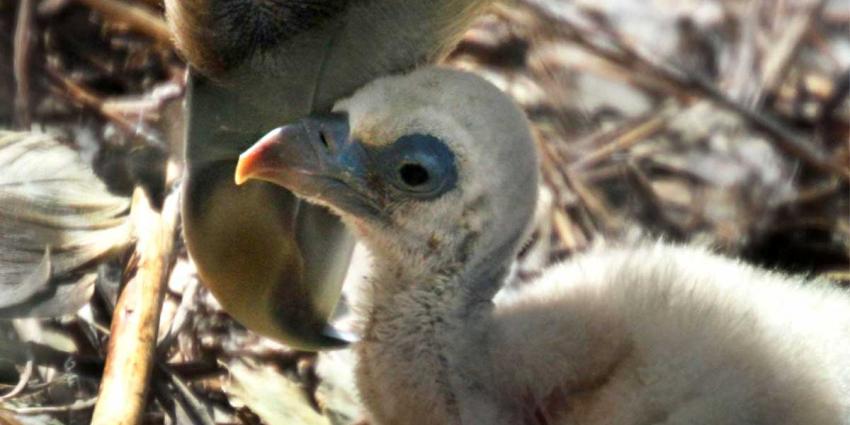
<point x="436" y="173"/>
<point x="658" y="334"/>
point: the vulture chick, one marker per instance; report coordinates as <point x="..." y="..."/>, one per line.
<point x="437" y="173"/>
<point x="275" y="264"/>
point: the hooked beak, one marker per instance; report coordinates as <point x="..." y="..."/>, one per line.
<point x="315" y="159"/>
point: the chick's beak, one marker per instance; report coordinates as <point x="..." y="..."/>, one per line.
<point x="315" y="159"/>
<point x="282" y="152"/>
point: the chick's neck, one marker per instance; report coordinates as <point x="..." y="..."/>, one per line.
<point x="423" y="313"/>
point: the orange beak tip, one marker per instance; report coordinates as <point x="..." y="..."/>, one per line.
<point x="241" y="175"/>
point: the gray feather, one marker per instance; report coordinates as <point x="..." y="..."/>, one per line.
<point x="57" y="218"/>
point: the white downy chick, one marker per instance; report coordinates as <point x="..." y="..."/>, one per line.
<point x="436" y="172"/>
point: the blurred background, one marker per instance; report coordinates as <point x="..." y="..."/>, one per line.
<point x="719" y="122"/>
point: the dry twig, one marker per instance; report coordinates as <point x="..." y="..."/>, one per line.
<point x="134" y="325"/>
<point x="21" y="61"/>
<point x="136" y="17"/>
<point x="77" y="405"/>
<point x="778" y="59"/>
<point x="626" y="137"/>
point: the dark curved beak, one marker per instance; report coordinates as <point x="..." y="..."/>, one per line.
<point x="316" y="159"/>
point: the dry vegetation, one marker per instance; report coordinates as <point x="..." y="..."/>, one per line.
<point x="723" y="122"/>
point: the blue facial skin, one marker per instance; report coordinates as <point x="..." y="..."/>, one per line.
<point x="418" y="166"/>
<point x="317" y="158"/>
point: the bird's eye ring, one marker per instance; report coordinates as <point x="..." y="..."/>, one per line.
<point x="418" y="166"/>
<point x="413" y="174"/>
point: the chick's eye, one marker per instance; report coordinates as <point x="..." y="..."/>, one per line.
<point x="413" y="174"/>
<point x="417" y="166"/>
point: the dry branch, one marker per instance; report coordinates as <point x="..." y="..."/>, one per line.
<point x="85" y="98"/>
<point x="21" y="62"/>
<point x="136" y="17"/>
<point x="627" y="136"/>
<point x="130" y="359"/>
<point x="779" y="59"/>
